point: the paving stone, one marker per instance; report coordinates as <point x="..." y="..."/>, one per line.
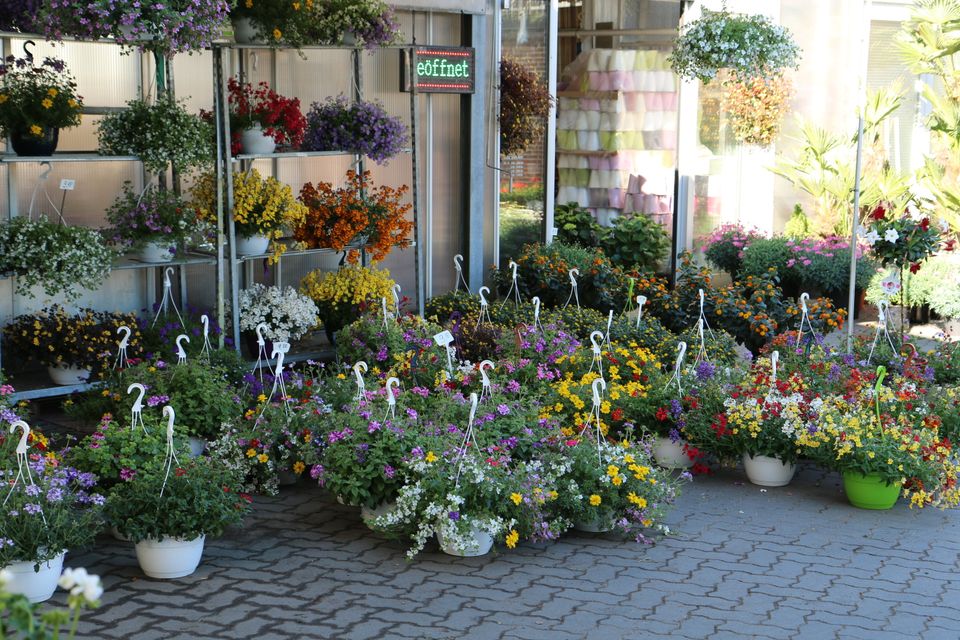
<point x="305" y="567"/>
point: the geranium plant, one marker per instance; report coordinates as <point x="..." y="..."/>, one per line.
<point x="278" y="117"/>
<point x="196" y="498"/>
<point x="749" y="46"/>
<point x="287" y="313"/>
<point x="62" y="259"/>
<point x="161" y="134"/>
<point x="361" y="127"/>
<point x="37" y="98"/>
<point x="154" y="215"/>
<point x="357" y="214"/>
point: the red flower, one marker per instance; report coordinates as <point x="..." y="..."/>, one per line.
<point x="914" y="267"/>
<point x="180" y="472"/>
<point x="662" y="414"/>
<point x="879" y="213"/>
<point x="617" y="414"/>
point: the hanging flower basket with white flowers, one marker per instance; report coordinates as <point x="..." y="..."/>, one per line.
<point x="749" y="46"/>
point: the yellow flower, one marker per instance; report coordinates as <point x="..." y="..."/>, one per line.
<point x="431" y="457"/>
<point x="512" y="538"/>
<point x="262" y="457"/>
<point x="613" y="470"/>
<point x="47" y="103"/>
<point x="249" y="4"/>
<point x="3" y="98"/>
<point x="595" y="500"/>
<point x="554" y="495"/>
<point x="296" y="6"/>
<point x="276" y="34"/>
<point x="52" y="92"/>
<point x="36" y="129"/>
<point x="617" y="481"/>
<point x="72" y="103"/>
<point x="637" y="500"/>
<point x="628" y="459"/>
<point x="251" y="452"/>
<point x="517" y="498"/>
<point x="261" y="398"/>
<point x="298" y="467"/>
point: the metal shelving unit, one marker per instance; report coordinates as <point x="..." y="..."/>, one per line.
<point x="226" y="161"/>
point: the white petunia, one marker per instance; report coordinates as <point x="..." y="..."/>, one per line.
<point x="891" y="236"/>
<point x="872" y="237"/>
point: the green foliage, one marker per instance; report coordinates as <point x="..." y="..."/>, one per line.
<point x="575" y="225"/>
<point x="197" y="497"/>
<point x="762" y="254"/>
<point x="200" y="392"/>
<point x="544" y="272"/>
<point x="115" y="450"/>
<point x="635" y="242"/>
<point x="578" y="322"/>
<point x="443" y="307"/>
<point x="523" y="193"/>
<point x="160" y="134"/>
<point x="519" y="226"/>
<point x="798" y="226"/>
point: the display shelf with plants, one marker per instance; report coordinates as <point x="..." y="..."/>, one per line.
<point x="384" y="231"/>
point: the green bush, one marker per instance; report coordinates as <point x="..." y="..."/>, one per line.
<point x="635" y="242"/>
<point x="763" y="254"/>
<point x="798" y="226"/>
<point x="575" y="225"/>
<point x="544" y="272"/>
<point x="519" y="226"/>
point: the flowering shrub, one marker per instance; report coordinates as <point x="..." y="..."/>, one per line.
<point x="279" y="117"/>
<point x="53" y="337"/>
<point x="160" y="134"/>
<point x="60" y="258"/>
<point x="34" y="98"/>
<point x="360" y="127"/>
<point x="724" y="247"/>
<point x="154" y="215"/>
<point x="291" y="24"/>
<point x="750" y="46"/>
<point x="901" y="238"/>
<point x="388" y="348"/>
<point x="524" y="106"/>
<point x="354" y="213"/>
<point x="287" y="313"/>
<point x="755" y="108"/>
<point x="341" y="294"/>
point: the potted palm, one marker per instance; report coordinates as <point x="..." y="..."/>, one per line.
<point x="36" y="102"/>
<point x="47" y="512"/>
<point x="168" y="511"/>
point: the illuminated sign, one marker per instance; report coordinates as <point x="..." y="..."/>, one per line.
<point x="440" y="69"/>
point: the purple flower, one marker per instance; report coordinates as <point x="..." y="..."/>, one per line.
<point x="388" y="471"/>
<point x="412" y="414"/>
<point x="127" y="474"/>
<point x="705" y="371"/>
<point x="32" y="509"/>
<point x="503" y="409"/>
<point x="363" y="127"/>
<point x="454" y="515"/>
<point x="55" y="494"/>
<point x="32" y="490"/>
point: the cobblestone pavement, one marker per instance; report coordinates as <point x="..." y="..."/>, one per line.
<point x="744" y="562"/>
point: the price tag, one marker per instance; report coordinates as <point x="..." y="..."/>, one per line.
<point x="67" y="184"/>
<point x="443" y="338"/>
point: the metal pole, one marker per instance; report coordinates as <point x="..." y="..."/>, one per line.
<point x="417" y="230"/>
<point x="428" y="196"/>
<point x="218" y="182"/>
<point x="550" y="138"/>
<point x="225" y="210"/>
<point x="854" y="223"/>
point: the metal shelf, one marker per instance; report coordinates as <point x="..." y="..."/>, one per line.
<point x="308" y="252"/>
<point x="297" y="154"/>
<point x="128" y="262"/>
<point x="69" y="156"/>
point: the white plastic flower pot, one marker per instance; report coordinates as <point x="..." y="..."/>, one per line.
<point x="171" y="558"/>
<point x="155" y="252"/>
<point x="37" y="586"/>
<point x="768" y="472"/>
<point x="478" y="543"/>
<point x="255" y="142"/>
<point x="252" y="245"/>
<point x="244" y="32"/>
<point x="670" y="454"/>
<point x="68" y="375"/>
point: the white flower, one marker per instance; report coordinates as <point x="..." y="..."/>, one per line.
<point x="891" y="236"/>
<point x="78" y="582"/>
<point x="872" y="237"/>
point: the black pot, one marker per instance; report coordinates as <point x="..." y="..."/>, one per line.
<point x="253" y="348"/>
<point x="26" y="144"/>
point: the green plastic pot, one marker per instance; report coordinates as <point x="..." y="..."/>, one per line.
<point x="870" y="491"/>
